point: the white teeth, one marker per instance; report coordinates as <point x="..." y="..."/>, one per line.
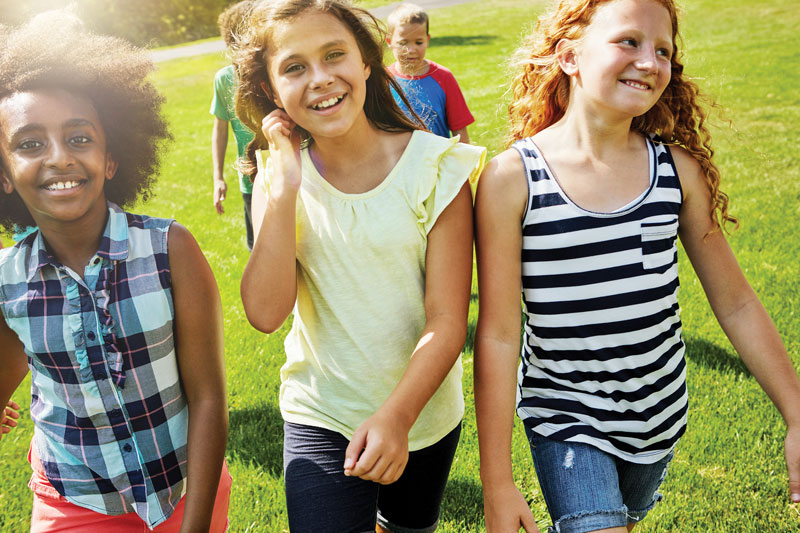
<point x="61" y="185"/>
<point x="327" y="103"/>
<point x="637" y="85"/>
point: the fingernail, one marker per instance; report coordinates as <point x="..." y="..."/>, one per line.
<point x="348" y="463"/>
<point x="796" y="497"/>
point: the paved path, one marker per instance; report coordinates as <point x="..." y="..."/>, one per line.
<point x="209" y="47"/>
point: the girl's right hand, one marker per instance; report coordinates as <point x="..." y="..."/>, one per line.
<point x="506" y="510"/>
<point x="278" y="128"/>
<point x="8" y="417"/>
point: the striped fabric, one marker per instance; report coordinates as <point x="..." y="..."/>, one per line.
<point x="110" y="417"/>
<point x="602" y="355"/>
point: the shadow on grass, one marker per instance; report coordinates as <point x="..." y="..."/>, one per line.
<point x="462" y="40"/>
<point x="255" y="435"/>
<point x="463" y="502"/>
<point x="711" y="356"/>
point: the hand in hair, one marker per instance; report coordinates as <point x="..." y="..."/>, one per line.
<point x="277" y="128"/>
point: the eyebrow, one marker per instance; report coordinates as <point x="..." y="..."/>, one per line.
<point x="330" y="44"/>
<point x="71" y="123"/>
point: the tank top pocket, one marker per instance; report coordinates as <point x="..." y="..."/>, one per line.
<point x="658" y="244"/>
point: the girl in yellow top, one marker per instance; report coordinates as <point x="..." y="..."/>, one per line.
<point x="363" y="226"/>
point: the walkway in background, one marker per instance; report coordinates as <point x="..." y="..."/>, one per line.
<point x="209" y="47"/>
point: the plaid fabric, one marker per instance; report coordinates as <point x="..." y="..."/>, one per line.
<point x="110" y="418"/>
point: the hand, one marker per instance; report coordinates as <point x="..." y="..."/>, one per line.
<point x="792" y="451"/>
<point x="506" y="510"/>
<point x="385" y="450"/>
<point x="8" y="418"/>
<point x="220" y="191"/>
<point x="278" y="128"/>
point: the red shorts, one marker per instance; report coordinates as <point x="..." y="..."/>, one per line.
<point x="53" y="513"/>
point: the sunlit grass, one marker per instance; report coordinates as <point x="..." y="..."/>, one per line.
<point x="728" y="473"/>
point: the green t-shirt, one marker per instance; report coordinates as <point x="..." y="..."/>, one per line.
<point x="222" y="107"/>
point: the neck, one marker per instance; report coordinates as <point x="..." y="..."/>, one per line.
<point x="410" y="71"/>
<point x="347" y="149"/>
<point x="592" y="133"/>
<point x="73" y="244"/>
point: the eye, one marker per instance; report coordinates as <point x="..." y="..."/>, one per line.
<point x="630" y="41"/>
<point x="666" y="53"/>
<point x="294" y="67"/>
<point x="334" y="55"/>
<point x="80" y="139"/>
<point x="30" y="144"/>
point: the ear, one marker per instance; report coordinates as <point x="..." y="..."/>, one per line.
<point x="388" y="40"/>
<point x="567" y="58"/>
<point x="111" y="166"/>
<point x="274" y="97"/>
<point x="367" y="71"/>
<point x="5" y="181"/>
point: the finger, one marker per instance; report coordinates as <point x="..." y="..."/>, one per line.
<point x="14" y="405"/>
<point x="366" y="462"/>
<point x="353" y="450"/>
<point x="11" y="413"/>
<point x="529" y="524"/>
<point x="377" y="471"/>
<point x="793" y="468"/>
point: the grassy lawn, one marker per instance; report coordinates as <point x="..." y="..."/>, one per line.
<point x="728" y="473"/>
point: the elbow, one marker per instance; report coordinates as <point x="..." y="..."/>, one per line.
<point x="264" y="320"/>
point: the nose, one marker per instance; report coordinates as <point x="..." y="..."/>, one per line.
<point x="647" y="60"/>
<point x="320" y="76"/>
<point x="59" y="155"/>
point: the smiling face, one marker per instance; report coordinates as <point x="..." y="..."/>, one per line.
<point x="408" y="43"/>
<point x="317" y="74"/>
<point x="622" y="64"/>
<point x="54" y="155"/>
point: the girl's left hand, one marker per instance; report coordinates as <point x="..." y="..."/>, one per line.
<point x="8" y="418"/>
<point x="792" y="451"/>
<point x="384" y="442"/>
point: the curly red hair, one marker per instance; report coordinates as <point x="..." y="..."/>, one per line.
<point x="540" y="93"/>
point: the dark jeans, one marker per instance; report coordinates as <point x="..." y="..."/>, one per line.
<point x="319" y="497"/>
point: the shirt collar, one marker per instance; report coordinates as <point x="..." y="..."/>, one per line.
<point x="113" y="244"/>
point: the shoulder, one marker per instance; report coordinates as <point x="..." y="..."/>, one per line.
<point x="441" y="74"/>
<point x="690" y="174"/>
<point x="503" y="186"/>
<point x="225" y="74"/>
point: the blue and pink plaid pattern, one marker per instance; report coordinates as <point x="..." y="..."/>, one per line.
<point x="110" y="417"/>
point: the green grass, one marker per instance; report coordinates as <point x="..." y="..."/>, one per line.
<point x="728" y="472"/>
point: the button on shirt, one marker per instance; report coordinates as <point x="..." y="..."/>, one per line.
<point x="110" y="418"/>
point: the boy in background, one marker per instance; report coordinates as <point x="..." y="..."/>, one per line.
<point x="431" y="88"/>
<point x="222" y="107"/>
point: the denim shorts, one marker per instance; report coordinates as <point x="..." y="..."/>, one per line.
<point x="320" y="498"/>
<point x="586" y="488"/>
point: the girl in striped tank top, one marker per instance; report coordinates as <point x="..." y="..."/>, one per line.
<point x="610" y="162"/>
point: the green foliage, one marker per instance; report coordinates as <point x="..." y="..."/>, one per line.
<point x="728" y="472"/>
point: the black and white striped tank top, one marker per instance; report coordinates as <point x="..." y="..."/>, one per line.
<point x="602" y="354"/>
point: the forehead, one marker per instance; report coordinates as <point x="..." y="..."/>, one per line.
<point x="410" y="31"/>
<point x="44" y="107"/>
<point x="307" y="33"/>
<point x="646" y="15"/>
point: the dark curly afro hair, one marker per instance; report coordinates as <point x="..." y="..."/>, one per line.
<point x="54" y="51"/>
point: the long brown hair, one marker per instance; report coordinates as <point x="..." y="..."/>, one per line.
<point x="540" y="93"/>
<point x="253" y="104"/>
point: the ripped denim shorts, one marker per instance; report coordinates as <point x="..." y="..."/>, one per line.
<point x="586" y="488"/>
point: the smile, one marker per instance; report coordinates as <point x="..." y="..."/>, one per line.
<point x="637" y="85"/>
<point x="328" y="103"/>
<point x="62" y="185"/>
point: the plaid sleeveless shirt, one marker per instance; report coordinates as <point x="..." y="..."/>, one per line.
<point x="110" y="417"/>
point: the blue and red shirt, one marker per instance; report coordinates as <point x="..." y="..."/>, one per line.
<point x="436" y="97"/>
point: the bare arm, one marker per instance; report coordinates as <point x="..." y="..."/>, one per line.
<point x="200" y="352"/>
<point x="448" y="279"/>
<point x="14" y="363"/>
<point x="738" y="310"/>
<point x="269" y="282"/>
<point x="219" y="143"/>
<point x="464" y="135"/>
<point x="499" y="207"/>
